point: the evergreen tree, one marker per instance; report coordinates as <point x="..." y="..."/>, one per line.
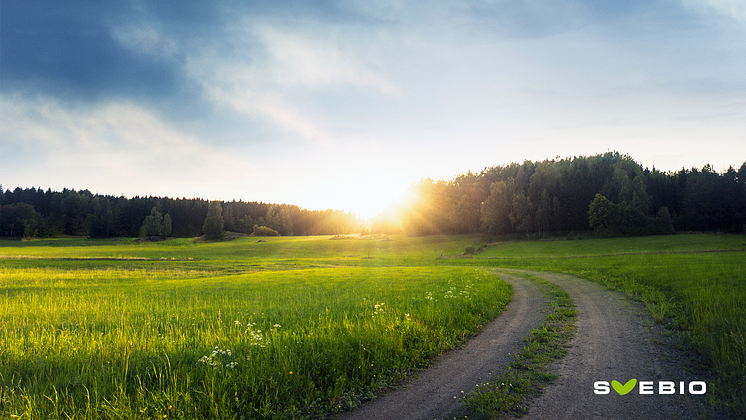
<point x="156" y="225"/>
<point x="213" y="226"/>
<point x="601" y="214"/>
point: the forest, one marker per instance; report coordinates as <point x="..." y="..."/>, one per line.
<point x="33" y="212"/>
<point x="609" y="194"/>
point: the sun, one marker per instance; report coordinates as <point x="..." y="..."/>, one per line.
<point x="368" y="199"/>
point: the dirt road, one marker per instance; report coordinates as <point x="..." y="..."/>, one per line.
<point x="615" y="340"/>
<point x="431" y="394"/>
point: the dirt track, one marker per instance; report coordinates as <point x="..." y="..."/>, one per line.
<point x="431" y="394"/>
<point x="615" y="340"/>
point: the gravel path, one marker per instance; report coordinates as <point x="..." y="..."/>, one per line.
<point x="615" y="340"/>
<point x="431" y="394"/>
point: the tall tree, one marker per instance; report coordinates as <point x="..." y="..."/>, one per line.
<point x="497" y="207"/>
<point x="156" y="225"/>
<point x="213" y="226"/>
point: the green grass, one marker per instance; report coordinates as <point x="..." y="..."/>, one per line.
<point x="238" y="330"/>
<point x="508" y="391"/>
<point x="695" y="283"/>
<point x="117" y="329"/>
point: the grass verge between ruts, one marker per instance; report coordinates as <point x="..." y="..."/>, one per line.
<point x="530" y="371"/>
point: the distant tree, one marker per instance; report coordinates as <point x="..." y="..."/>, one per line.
<point x="520" y="216"/>
<point x="20" y="219"/>
<point x="543" y="213"/>
<point x="213" y="226"/>
<point x="278" y="218"/>
<point x="601" y="214"/>
<point x="497" y="207"/>
<point x="156" y="225"/>
<point x="166" y="226"/>
<point x="663" y="223"/>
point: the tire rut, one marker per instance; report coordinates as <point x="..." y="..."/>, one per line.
<point x="431" y="394"/>
<point x="614" y="340"/>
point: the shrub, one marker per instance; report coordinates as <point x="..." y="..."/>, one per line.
<point x="264" y="231"/>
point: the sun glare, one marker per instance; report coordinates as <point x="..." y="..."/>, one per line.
<point x="372" y="201"/>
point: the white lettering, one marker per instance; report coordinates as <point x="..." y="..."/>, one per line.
<point x="601" y="388"/>
<point x="665" y="387"/>
<point x="702" y="387"/>
<point x="649" y="388"/>
<point x="646" y="387"/>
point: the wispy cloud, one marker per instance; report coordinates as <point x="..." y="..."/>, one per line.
<point x="130" y="142"/>
<point x="734" y="9"/>
<point x="269" y="67"/>
<point x="149" y="40"/>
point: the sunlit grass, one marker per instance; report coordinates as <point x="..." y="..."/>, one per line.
<point x="116" y="329"/>
<point x="150" y="341"/>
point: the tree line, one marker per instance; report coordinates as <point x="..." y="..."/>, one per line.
<point x="608" y="193"/>
<point x="34" y="212"/>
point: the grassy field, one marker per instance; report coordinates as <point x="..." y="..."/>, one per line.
<point x="286" y="328"/>
<point x="296" y="327"/>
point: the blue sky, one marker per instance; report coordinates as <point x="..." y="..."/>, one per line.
<point x="342" y="104"/>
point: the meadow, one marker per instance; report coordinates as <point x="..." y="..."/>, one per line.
<point x="286" y="328"/>
<point x="301" y="327"/>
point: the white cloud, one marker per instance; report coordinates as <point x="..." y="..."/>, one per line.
<point x="317" y="60"/>
<point x="113" y="147"/>
<point x="268" y="67"/>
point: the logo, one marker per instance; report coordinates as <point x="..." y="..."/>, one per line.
<point x="624" y="389"/>
<point x="649" y="387"/>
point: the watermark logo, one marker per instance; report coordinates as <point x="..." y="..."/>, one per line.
<point x="624" y="389"/>
<point x="650" y="388"/>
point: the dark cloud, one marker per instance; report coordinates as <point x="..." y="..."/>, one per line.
<point x="74" y="50"/>
<point x="68" y="49"/>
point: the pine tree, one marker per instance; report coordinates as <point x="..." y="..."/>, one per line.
<point x="213" y="226"/>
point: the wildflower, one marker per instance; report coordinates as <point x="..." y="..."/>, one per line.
<point x="237" y="322"/>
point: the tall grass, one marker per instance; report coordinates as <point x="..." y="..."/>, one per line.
<point x="110" y="342"/>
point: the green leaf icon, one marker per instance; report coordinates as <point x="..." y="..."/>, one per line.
<point x="624" y="389"/>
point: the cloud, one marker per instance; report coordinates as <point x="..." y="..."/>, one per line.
<point x="68" y="49"/>
<point x="271" y="70"/>
<point x="114" y="145"/>
<point x="146" y="39"/>
<point x="733" y="9"/>
<point x="317" y="60"/>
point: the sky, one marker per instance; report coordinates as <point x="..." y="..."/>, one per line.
<point x="343" y="104"/>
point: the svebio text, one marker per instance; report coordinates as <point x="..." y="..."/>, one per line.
<point x="663" y="388"/>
